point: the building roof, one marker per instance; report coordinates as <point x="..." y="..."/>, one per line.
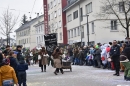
<point x="39" y="23"/>
<point x="28" y="24"/>
<point x="70" y="4"/>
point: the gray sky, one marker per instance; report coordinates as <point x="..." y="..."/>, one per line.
<point x="21" y="7"/>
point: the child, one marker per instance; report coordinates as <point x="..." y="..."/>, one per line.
<point x="21" y="68"/>
<point x="7" y="74"/>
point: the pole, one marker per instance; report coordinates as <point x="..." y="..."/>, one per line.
<point x="87" y="29"/>
<point x="80" y="24"/>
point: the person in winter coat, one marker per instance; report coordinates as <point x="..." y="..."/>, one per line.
<point x="122" y="52"/>
<point x="124" y="60"/>
<point x="57" y="61"/>
<point x="19" y="53"/>
<point x="6" y="52"/>
<point x="104" y="55"/>
<point x="1" y="58"/>
<point x="7" y="74"/>
<point x="97" y="56"/>
<point x="13" y="62"/>
<point x="21" y="68"/>
<point x="115" y="56"/>
<point x="43" y="61"/>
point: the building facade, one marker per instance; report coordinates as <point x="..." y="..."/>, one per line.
<point x="26" y="35"/>
<point x="57" y="19"/>
<point x="96" y="29"/>
<point x="39" y="30"/>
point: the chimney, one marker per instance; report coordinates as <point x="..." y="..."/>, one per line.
<point x="37" y="15"/>
<point x="30" y="18"/>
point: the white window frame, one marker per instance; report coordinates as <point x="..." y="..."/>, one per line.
<point x="89" y="8"/>
<point x="114" y="25"/>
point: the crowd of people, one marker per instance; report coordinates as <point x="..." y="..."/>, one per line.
<point x="14" y="63"/>
<point x="114" y="56"/>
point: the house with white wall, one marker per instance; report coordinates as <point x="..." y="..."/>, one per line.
<point x="100" y="29"/>
<point x="26" y="34"/>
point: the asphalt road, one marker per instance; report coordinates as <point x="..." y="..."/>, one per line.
<point x="80" y="76"/>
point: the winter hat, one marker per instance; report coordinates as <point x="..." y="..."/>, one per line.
<point x="96" y="46"/>
<point x="5" y="61"/>
<point x="123" y="58"/>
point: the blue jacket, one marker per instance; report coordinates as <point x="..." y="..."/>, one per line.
<point x="13" y="63"/>
<point x="22" y="66"/>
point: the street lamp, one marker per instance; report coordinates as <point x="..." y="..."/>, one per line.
<point x="87" y="27"/>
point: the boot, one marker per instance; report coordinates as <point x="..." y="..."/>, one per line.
<point x="55" y="73"/>
<point x="124" y="77"/>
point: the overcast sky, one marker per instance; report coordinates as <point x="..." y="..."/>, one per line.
<point x="21" y="7"/>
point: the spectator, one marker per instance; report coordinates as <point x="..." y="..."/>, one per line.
<point x="1" y="58"/>
<point x="97" y="56"/>
<point x="7" y="74"/>
<point x="6" y="52"/>
<point x="124" y="60"/>
<point x="115" y="53"/>
<point x="70" y="53"/>
<point x="13" y="61"/>
<point x="19" y="53"/>
<point x="21" y="68"/>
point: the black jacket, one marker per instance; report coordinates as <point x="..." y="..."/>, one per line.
<point x="115" y="51"/>
<point x="19" y="55"/>
<point x="127" y="52"/>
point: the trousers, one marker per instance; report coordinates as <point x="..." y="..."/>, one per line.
<point x="8" y="83"/>
<point x="22" y="78"/>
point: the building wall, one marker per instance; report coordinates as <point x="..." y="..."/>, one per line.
<point x="39" y="32"/>
<point x="57" y="19"/>
<point x="28" y="40"/>
<point x="102" y="27"/>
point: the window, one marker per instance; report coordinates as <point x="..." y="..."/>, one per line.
<point x="75" y="32"/>
<point x="69" y="18"/>
<point x="54" y="3"/>
<point x="92" y="27"/>
<point x="121" y="6"/>
<point x="37" y="39"/>
<point x="114" y="25"/>
<point x="75" y="14"/>
<point x="60" y="36"/>
<point x="55" y="14"/>
<point x="89" y="8"/>
<point x="78" y="31"/>
<point x="68" y="34"/>
<point x="27" y="40"/>
<point x="59" y="24"/>
<point x="59" y="11"/>
<point x="81" y="14"/>
<point x="51" y="5"/>
<point x="72" y="33"/>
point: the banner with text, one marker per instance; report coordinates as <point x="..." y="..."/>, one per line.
<point x="45" y="16"/>
<point x="50" y="43"/>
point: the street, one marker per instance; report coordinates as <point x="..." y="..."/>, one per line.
<point x="80" y="76"/>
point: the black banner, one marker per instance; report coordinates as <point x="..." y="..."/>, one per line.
<point x="50" y="43"/>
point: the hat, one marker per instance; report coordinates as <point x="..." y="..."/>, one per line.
<point x="5" y="61"/>
<point x="123" y="58"/>
<point x="19" y="46"/>
<point x="96" y="46"/>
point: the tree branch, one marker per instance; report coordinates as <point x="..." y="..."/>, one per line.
<point x="116" y="14"/>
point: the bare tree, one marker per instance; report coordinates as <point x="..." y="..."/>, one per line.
<point x="7" y="23"/>
<point x="119" y="8"/>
